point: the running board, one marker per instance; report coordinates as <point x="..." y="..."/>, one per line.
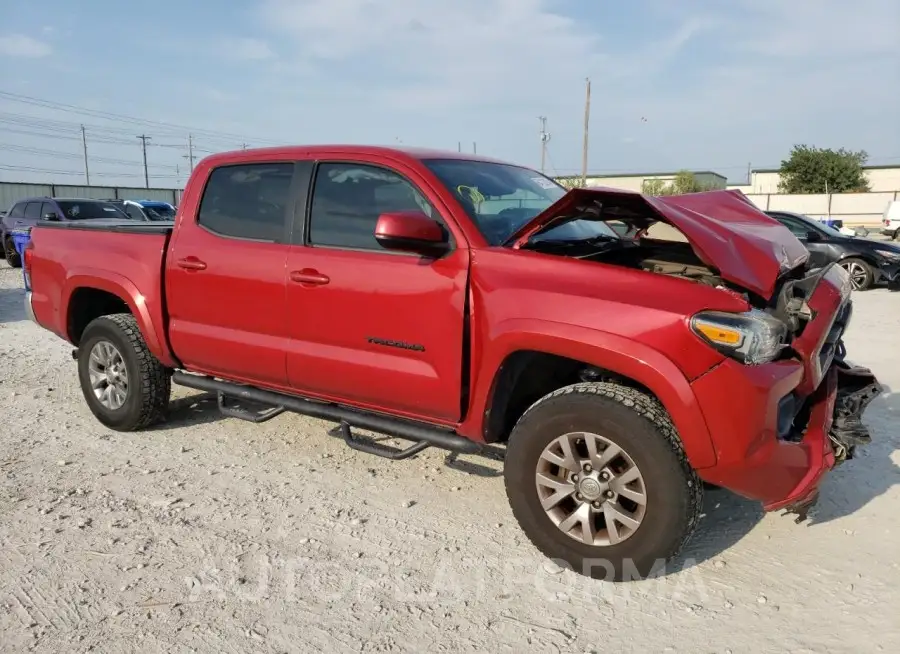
<point x="405" y="429"/>
<point x="369" y="446"/>
<point x="243" y="412"/>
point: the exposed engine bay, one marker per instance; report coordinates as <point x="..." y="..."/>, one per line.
<point x="662" y="257"/>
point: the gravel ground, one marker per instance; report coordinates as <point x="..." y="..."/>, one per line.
<point x="214" y="535"/>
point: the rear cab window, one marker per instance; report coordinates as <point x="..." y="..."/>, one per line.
<point x="247" y="201"/>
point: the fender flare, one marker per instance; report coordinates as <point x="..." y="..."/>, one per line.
<point x="124" y="289"/>
<point x="619" y="355"/>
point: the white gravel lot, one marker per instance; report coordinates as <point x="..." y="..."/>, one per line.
<point x="215" y="535"/>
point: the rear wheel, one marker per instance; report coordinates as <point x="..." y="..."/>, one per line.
<point x="125" y="386"/>
<point x="598" y="480"/>
<point x="861" y="274"/>
<point x="9" y="250"/>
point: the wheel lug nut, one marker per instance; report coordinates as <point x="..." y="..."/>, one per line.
<point x="574" y="477"/>
<point x="579" y="496"/>
<point x="604" y="476"/>
<point x="610" y="494"/>
<point x="596" y="504"/>
<point x="587" y="467"/>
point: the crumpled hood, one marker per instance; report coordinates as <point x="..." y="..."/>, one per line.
<point x="725" y="230"/>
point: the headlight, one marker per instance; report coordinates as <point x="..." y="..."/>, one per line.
<point x="889" y="254"/>
<point x="753" y="337"/>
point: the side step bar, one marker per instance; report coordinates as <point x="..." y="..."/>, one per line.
<point x="407" y="430"/>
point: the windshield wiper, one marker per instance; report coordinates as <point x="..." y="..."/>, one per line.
<point x="570" y="242"/>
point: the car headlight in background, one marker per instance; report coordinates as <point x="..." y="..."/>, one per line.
<point x="752" y="338"/>
<point x="889" y="254"/>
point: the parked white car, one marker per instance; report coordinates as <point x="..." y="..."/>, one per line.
<point x="890" y="224"/>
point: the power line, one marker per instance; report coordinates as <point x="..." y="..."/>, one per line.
<point x="59" y="154"/>
<point x="116" y="117"/>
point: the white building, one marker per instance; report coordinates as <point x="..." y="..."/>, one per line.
<point x="635" y="181"/>
<point x="882" y="179"/>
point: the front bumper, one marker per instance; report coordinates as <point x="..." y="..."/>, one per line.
<point x="887" y="271"/>
<point x="758" y="457"/>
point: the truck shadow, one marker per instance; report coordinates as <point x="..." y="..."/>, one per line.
<point x="197" y="409"/>
<point x="872" y="471"/>
<point x="12" y="305"/>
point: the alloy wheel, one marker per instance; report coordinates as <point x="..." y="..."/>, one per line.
<point x="109" y="376"/>
<point x="858" y="273"/>
<point x="591" y="489"/>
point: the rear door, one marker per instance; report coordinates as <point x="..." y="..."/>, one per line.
<point x="370" y="326"/>
<point x="225" y="275"/>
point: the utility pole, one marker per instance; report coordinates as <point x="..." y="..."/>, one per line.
<point x="87" y="174"/>
<point x="243" y="146"/>
<point x="144" y="138"/>
<point x="191" y="151"/>
<point x="459" y="146"/>
<point x="545" y="138"/>
<point x="587" y="120"/>
<point x="474" y="147"/>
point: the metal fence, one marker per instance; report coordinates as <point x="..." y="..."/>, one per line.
<point x="12" y="192"/>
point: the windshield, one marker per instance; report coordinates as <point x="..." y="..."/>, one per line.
<point x="828" y="229"/>
<point x="85" y="209"/>
<point x="159" y="212"/>
<point x="501" y="198"/>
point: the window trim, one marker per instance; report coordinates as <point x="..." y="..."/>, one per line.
<point x="307" y="217"/>
<point x="287" y="218"/>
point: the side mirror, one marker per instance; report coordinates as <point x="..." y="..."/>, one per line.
<point x="410" y="231"/>
<point x="51" y="215"/>
<point x="813" y="237"/>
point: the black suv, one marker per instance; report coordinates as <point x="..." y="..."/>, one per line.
<point x="868" y="261"/>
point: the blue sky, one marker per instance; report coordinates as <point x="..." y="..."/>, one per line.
<point x="700" y="84"/>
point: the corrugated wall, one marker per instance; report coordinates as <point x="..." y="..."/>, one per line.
<point x="12" y="192"/>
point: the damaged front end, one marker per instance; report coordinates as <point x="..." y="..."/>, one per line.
<point x="856" y="388"/>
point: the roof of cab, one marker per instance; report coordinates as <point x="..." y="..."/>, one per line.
<point x="315" y="151"/>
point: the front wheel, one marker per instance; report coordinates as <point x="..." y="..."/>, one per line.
<point x="861" y="274"/>
<point x="598" y="480"/>
<point x="125" y="386"/>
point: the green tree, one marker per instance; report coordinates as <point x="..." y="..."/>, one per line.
<point x="685" y="182"/>
<point x="821" y="170"/>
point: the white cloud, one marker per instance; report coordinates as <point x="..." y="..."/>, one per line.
<point x="21" y="45"/>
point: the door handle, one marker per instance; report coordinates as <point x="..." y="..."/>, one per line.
<point x="309" y="276"/>
<point x="191" y="263"/>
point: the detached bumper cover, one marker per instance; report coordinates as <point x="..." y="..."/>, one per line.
<point x="754" y="461"/>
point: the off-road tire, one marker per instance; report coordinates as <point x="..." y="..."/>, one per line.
<point x="149" y="384"/>
<point x="639" y="425"/>
<point x="12" y="256"/>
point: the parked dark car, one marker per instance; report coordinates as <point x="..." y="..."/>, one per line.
<point x="30" y="211"/>
<point x="868" y="261"/>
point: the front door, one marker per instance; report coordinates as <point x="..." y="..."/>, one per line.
<point x="373" y="327"/>
<point x="225" y="275"/>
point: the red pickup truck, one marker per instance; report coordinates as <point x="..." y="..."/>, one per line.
<point x="451" y="300"/>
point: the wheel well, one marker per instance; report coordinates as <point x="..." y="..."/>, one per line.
<point x="87" y="304"/>
<point x="526" y="376"/>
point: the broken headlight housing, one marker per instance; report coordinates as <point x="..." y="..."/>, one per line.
<point x="753" y="337"/>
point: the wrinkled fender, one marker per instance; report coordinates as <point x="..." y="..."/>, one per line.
<point x="149" y="319"/>
<point x="620" y="355"/>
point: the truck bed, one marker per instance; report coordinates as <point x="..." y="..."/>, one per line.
<point x="119" y="257"/>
